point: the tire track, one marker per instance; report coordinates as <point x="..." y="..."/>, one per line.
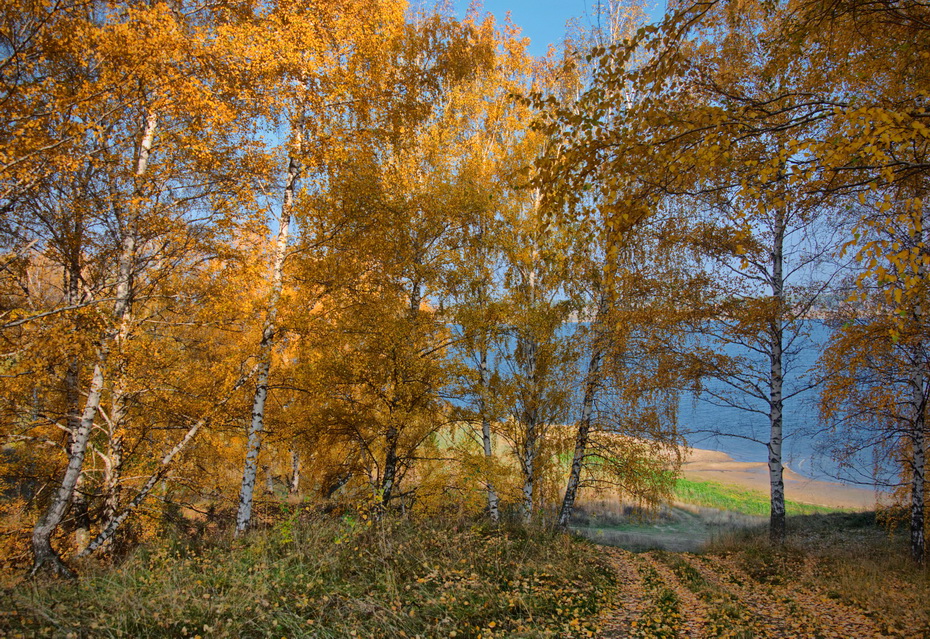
<point x="618" y="620"/>
<point x="693" y="611"/>
<point x="809" y="612"/>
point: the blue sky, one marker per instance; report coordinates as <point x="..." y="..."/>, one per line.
<point x="543" y="21"/>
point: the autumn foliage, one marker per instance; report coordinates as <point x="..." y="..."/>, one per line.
<point x="377" y="261"/>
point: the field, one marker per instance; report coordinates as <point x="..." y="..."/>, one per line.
<point x="701" y="512"/>
<point x="736" y="499"/>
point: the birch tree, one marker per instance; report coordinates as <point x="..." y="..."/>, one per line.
<point x="697" y="128"/>
<point x="122" y="318"/>
<point x="128" y="145"/>
<point x="474" y="286"/>
<point x="876" y="395"/>
<point x="315" y="76"/>
<point x="266" y="346"/>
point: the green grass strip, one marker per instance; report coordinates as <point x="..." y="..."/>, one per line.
<point x="740" y="500"/>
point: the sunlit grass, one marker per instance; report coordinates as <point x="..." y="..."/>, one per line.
<point x="735" y="499"/>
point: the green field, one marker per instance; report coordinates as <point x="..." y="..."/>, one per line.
<point x="740" y="500"/>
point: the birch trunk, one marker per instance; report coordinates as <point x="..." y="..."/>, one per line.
<point x="776" y="379"/>
<point x="531" y="423"/>
<point x="493" y="501"/>
<point x="293" y="486"/>
<point x="584" y="424"/>
<point x="257" y="424"/>
<point x="529" y="469"/>
<point x="79" y="508"/>
<point x="81" y="515"/>
<point x="44" y="556"/>
<point x="389" y="478"/>
<point x="269" y="480"/>
<point x="919" y="428"/>
<point x="392" y="459"/>
<point x="113" y="524"/>
<point x="483" y="372"/>
<point x="919" y="466"/>
<point x="114" y="465"/>
<point x="72" y="402"/>
<point x="112" y="475"/>
<point x="531" y="410"/>
<point x="43" y="553"/>
<point x="119" y="409"/>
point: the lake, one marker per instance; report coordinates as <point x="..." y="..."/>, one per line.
<point x="709" y="425"/>
<point x="806" y="448"/>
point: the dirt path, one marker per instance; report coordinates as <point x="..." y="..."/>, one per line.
<point x="662" y="594"/>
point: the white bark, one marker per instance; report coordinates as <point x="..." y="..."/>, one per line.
<point x="257" y="424"/>
<point x="44" y="554"/>
<point x="918" y="465"/>
<point x="493" y="500"/>
<point x="269" y="480"/>
<point x="112" y="472"/>
<point x="125" y="290"/>
<point x="530" y="419"/>
<point x="776" y="380"/>
<point x="592" y="381"/>
<point x="530" y="415"/>
<point x="111" y="526"/>
<point x="391" y="460"/>
<point x="919" y="428"/>
<point x="294" y="483"/>
<point x="72" y="403"/>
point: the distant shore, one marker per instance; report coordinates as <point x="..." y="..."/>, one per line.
<point x="709" y="465"/>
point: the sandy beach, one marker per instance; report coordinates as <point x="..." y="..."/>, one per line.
<point x="709" y="465"/>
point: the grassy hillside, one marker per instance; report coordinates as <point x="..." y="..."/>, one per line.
<point x="735" y="499"/>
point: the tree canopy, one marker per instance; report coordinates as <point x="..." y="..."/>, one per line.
<point x="384" y="259"/>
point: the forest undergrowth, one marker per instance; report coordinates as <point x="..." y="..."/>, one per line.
<point x="318" y="575"/>
<point x="356" y="575"/>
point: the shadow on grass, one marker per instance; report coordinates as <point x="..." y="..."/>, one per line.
<point x="678" y="528"/>
<point x="689" y="528"/>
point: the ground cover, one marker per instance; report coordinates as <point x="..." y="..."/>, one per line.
<point x="838" y="575"/>
<point x="313" y="575"/>
<point x="332" y="577"/>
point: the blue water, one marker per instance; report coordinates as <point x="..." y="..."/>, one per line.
<point x="706" y="423"/>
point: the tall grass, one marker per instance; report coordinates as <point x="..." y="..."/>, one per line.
<point x="333" y="577"/>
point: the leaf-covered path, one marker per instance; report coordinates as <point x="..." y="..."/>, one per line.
<point x="663" y="594"/>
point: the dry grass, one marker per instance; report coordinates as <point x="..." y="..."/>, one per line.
<point x="848" y="557"/>
<point x="319" y="576"/>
